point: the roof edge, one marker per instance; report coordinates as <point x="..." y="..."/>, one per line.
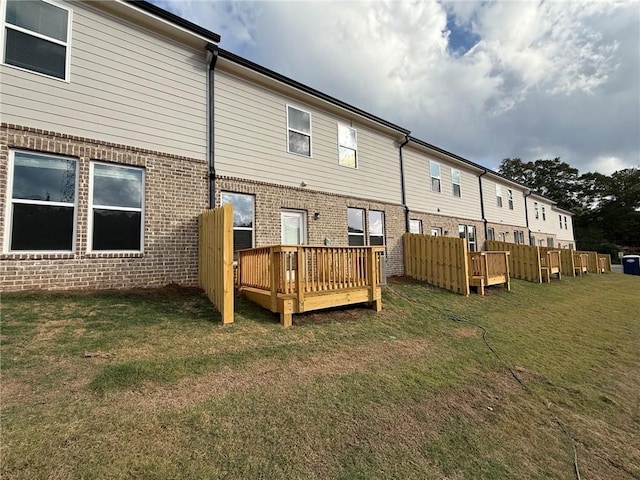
<point x="308" y="90"/>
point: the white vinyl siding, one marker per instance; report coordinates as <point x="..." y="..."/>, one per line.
<point x="251" y="135"/>
<point x="504" y="215"/>
<point x="539" y="223"/>
<point x="127" y="86"/>
<point x="419" y="196"/>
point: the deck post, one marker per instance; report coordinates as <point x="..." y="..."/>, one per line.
<point x="373" y="275"/>
<point x="299" y="279"/>
<point x="272" y="279"/>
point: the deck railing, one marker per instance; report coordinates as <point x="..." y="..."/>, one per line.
<point x="581" y="262"/>
<point x="301" y="268"/>
<point x="488" y="264"/>
<point x="550" y="260"/>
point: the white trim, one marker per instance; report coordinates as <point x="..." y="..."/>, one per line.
<point x="355" y="150"/>
<point x="384" y="229"/>
<point x="67" y="44"/>
<point x="364" y="226"/>
<point x="499" y="199"/>
<point x="459" y="183"/>
<point x="510" y="198"/>
<point x="6" y="248"/>
<point x="91" y="207"/>
<point x="299" y="131"/>
<point x="302" y="214"/>
<point x="432" y="176"/>
<point x="419" y="225"/>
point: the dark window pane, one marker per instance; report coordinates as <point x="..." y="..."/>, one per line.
<point x="116" y="230"/>
<point x="40" y="17"/>
<point x="356" y="240"/>
<point x="456" y="190"/>
<point x="376" y="240"/>
<point x="41" y="227"/>
<point x="242" y="239"/>
<point x="117" y="186"/>
<point x="242" y="208"/>
<point x="35" y="54"/>
<point x="435" y="184"/>
<point x="299" y="120"/>
<point x="42" y="178"/>
<point x="299" y="143"/>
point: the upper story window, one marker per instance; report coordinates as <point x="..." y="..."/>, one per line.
<point x="560" y="218"/>
<point x="298" y="131"/>
<point x="243" y="215"/>
<point x="348" y="146"/>
<point x="434" y="171"/>
<point x="116" y="201"/>
<point x="565" y="223"/>
<point x="37" y="37"/>
<point x="544" y="215"/>
<point x="42" y="203"/>
<point x="376" y="227"/>
<point x="499" y="195"/>
<point x="355" y="225"/>
<point x="535" y="210"/>
<point x="455" y="181"/>
<point x="510" y="198"/>
<point x="415" y="226"/>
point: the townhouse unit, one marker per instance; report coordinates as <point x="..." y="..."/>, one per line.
<point x="121" y="123"/>
<point x="103" y="144"/>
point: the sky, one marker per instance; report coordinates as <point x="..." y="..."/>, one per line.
<point x="484" y="80"/>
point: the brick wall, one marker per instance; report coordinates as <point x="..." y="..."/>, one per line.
<point x="449" y="225"/>
<point x="508" y="231"/>
<point x="176" y="192"/>
<point x="331" y="225"/>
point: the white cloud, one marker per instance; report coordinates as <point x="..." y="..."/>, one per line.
<point x="545" y="78"/>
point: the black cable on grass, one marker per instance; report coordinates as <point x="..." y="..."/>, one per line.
<point x="459" y="319"/>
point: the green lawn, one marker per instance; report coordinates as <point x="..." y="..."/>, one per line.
<point x="151" y="385"/>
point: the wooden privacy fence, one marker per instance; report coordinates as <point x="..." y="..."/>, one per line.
<point x="300" y="278"/>
<point x="604" y="263"/>
<point x="488" y="268"/>
<point x="567" y="266"/>
<point x="581" y="263"/>
<point x="215" y="258"/>
<point x="440" y="261"/>
<point x="524" y="260"/>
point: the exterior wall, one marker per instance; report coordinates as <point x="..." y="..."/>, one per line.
<point x="564" y="236"/>
<point x="541" y="228"/>
<point x="418" y="187"/>
<point x="127" y="86"/>
<point x="175" y="194"/>
<point x="449" y="225"/>
<point x="508" y="231"/>
<point x="503" y="215"/>
<point x="331" y="225"/>
<point x="251" y="143"/>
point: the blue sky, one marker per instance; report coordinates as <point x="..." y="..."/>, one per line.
<point x="485" y="80"/>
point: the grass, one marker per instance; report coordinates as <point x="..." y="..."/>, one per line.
<point x="149" y="384"/>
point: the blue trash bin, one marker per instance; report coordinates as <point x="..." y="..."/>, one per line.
<point x="631" y="264"/>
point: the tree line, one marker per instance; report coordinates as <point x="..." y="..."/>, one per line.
<point x="606" y="207"/>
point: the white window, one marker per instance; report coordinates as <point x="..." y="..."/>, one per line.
<point x="510" y="198"/>
<point x="434" y="170"/>
<point x="499" y="195"/>
<point x="468" y="232"/>
<point x="298" y="131"/>
<point x="535" y="210"/>
<point x="37" y="35"/>
<point x="436" y="231"/>
<point x="544" y="216"/>
<point x="376" y="227"/>
<point x="550" y="242"/>
<point x="355" y="225"/>
<point x="502" y="237"/>
<point x="565" y="223"/>
<point x="243" y="218"/>
<point x="116" y="208"/>
<point x="560" y="218"/>
<point x="415" y="226"/>
<point x="42" y="203"/>
<point x="294" y="227"/>
<point x="518" y="237"/>
<point x="347" y="146"/>
<point x="455" y="181"/>
<point x="491" y="235"/>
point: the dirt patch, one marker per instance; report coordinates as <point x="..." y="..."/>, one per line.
<point x="466" y="332"/>
<point x="13" y="392"/>
<point x="50" y="329"/>
<point x="262" y="375"/>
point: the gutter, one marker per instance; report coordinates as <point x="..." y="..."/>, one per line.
<point x="484" y="220"/>
<point x="402" y="187"/>
<point x="212" y="58"/>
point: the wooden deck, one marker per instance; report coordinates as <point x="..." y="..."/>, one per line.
<point x="302" y="278"/>
<point x="488" y="268"/>
<point x="581" y="263"/>
<point x="550" y="265"/>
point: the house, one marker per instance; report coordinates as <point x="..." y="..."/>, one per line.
<point x="504" y="206"/>
<point x="104" y="144"/>
<point x="542" y="225"/>
<point x="563" y="222"/>
<point x="302" y="167"/>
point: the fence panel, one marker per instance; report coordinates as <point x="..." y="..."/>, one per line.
<point x="215" y="259"/>
<point x="440" y="261"/>
<point x="524" y="260"/>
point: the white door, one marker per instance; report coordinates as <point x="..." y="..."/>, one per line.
<point x="293" y="227"/>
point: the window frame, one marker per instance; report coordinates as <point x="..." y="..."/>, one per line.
<point x="536" y="212"/>
<point x="499" y="195"/>
<point x="302" y="214"/>
<point x="491" y="234"/>
<point x="364" y="228"/>
<point x="544" y="214"/>
<point x="566" y="226"/>
<point x="310" y="134"/>
<point x="8" y="231"/>
<point x="253" y="218"/>
<point x="91" y="206"/>
<point x="510" y="198"/>
<point x="419" y="232"/>
<point x="436" y="232"/>
<point x="355" y="150"/>
<point x="453" y="183"/>
<point x="435" y="177"/>
<point x="464" y="231"/>
<point x="67" y="44"/>
<point x="560" y="219"/>
<point x="383" y="235"/>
